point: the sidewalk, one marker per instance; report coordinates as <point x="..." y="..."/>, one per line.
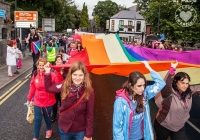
<point x="27" y="64"/>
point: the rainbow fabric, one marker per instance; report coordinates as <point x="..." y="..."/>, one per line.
<point x="35" y="46"/>
<point x="105" y="54"/>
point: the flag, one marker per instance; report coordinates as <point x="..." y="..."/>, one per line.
<point x="35" y="46"/>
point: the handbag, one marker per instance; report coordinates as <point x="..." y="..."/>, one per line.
<point x="73" y="106"/>
<point x="30" y="113"/>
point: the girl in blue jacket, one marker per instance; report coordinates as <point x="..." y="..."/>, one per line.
<point x="131" y="117"/>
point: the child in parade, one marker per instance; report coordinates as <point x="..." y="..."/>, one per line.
<point x="131" y="117"/>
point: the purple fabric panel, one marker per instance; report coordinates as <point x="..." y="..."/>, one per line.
<point x="192" y="57"/>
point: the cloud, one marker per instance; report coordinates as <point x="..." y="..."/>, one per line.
<point x="91" y="3"/>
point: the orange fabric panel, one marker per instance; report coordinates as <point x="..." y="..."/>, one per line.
<point x="124" y="69"/>
<point x="96" y="50"/>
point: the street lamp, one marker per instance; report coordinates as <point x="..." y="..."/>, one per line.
<point x="15" y="21"/>
<point x="158" y="30"/>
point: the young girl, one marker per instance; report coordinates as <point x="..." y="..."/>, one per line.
<point x="131" y="117"/>
<point x="19" y="61"/>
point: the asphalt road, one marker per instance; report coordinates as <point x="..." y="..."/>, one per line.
<point x="13" y="124"/>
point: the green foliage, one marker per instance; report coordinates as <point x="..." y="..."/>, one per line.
<point x="150" y="9"/>
<point x="84" y="18"/>
<point x="65" y="12"/>
<point x="97" y="19"/>
<point x="105" y="10"/>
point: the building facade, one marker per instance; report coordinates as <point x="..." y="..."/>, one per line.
<point x="129" y="24"/>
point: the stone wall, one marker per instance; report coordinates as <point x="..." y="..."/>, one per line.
<point x="4" y="28"/>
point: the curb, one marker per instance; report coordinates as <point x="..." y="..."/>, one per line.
<point x="15" y="77"/>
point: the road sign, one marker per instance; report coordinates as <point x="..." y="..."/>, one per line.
<point x="25" y="24"/>
<point x="48" y="24"/>
<point x="26" y="16"/>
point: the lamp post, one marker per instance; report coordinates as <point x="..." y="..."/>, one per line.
<point x="158" y="30"/>
<point x="15" y="21"/>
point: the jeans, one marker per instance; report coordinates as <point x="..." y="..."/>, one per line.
<point x="70" y="135"/>
<point x="35" y="59"/>
<point x="163" y="133"/>
<point x="40" y="112"/>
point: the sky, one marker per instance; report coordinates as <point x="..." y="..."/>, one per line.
<point x="91" y="3"/>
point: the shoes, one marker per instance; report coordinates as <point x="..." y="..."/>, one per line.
<point x="12" y="75"/>
<point x="35" y="139"/>
<point x="48" y="133"/>
<point x="17" y="72"/>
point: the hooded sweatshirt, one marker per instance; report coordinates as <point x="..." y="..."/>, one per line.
<point x="123" y="113"/>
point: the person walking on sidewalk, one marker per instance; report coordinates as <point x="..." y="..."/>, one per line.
<point x="77" y="102"/>
<point x="43" y="100"/>
<point x="10" y="58"/>
<point x="33" y="37"/>
<point x="131" y="117"/>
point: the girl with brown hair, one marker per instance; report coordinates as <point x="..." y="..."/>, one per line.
<point x="77" y="102"/>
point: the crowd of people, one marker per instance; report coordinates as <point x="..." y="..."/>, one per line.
<point x="67" y="95"/>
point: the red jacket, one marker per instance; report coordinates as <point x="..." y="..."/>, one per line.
<point x="81" y="118"/>
<point x="42" y="98"/>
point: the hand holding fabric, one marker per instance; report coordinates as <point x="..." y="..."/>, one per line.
<point x="147" y="65"/>
<point x="47" y="67"/>
<point x="174" y="65"/>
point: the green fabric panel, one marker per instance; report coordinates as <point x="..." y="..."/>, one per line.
<point x="130" y="57"/>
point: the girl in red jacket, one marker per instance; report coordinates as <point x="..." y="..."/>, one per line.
<point x="43" y="100"/>
<point x="76" y="124"/>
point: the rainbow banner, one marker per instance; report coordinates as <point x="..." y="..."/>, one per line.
<point x="105" y="54"/>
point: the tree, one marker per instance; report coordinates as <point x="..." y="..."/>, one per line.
<point x="84" y="18"/>
<point x="97" y="20"/>
<point x="150" y="8"/>
<point x="105" y="10"/>
<point x="65" y="12"/>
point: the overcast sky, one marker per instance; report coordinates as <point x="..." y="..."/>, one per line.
<point x="91" y="3"/>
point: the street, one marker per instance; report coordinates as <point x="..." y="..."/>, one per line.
<point x="13" y="111"/>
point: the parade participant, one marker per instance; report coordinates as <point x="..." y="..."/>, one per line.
<point x="77" y="102"/>
<point x="10" y="57"/>
<point x="176" y="105"/>
<point x="51" y="52"/>
<point x="59" y="61"/>
<point x="73" y="49"/>
<point x="131" y="117"/>
<point x="33" y="37"/>
<point x="79" y="46"/>
<point x="43" y="100"/>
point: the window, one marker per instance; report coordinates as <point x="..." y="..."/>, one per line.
<point x="130" y="23"/>
<point x="121" y="22"/>
<point x="138" y="26"/>
<point x="151" y="31"/>
<point x="4" y="33"/>
<point x="113" y="25"/>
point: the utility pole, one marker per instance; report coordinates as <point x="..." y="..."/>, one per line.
<point x="15" y="21"/>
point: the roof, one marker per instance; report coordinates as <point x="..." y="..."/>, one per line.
<point x="126" y="14"/>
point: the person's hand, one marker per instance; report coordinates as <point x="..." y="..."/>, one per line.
<point x="174" y="65"/>
<point x="147" y="65"/>
<point x="28" y="102"/>
<point x="47" y="67"/>
<point x="85" y="138"/>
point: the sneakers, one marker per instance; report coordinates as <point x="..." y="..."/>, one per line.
<point x="35" y="139"/>
<point x="12" y="75"/>
<point x="48" y="133"/>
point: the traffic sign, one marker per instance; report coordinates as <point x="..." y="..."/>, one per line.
<point x="26" y="16"/>
<point x="25" y="24"/>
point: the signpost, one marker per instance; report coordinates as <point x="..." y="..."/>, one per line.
<point x="26" y="16"/>
<point x="23" y="19"/>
